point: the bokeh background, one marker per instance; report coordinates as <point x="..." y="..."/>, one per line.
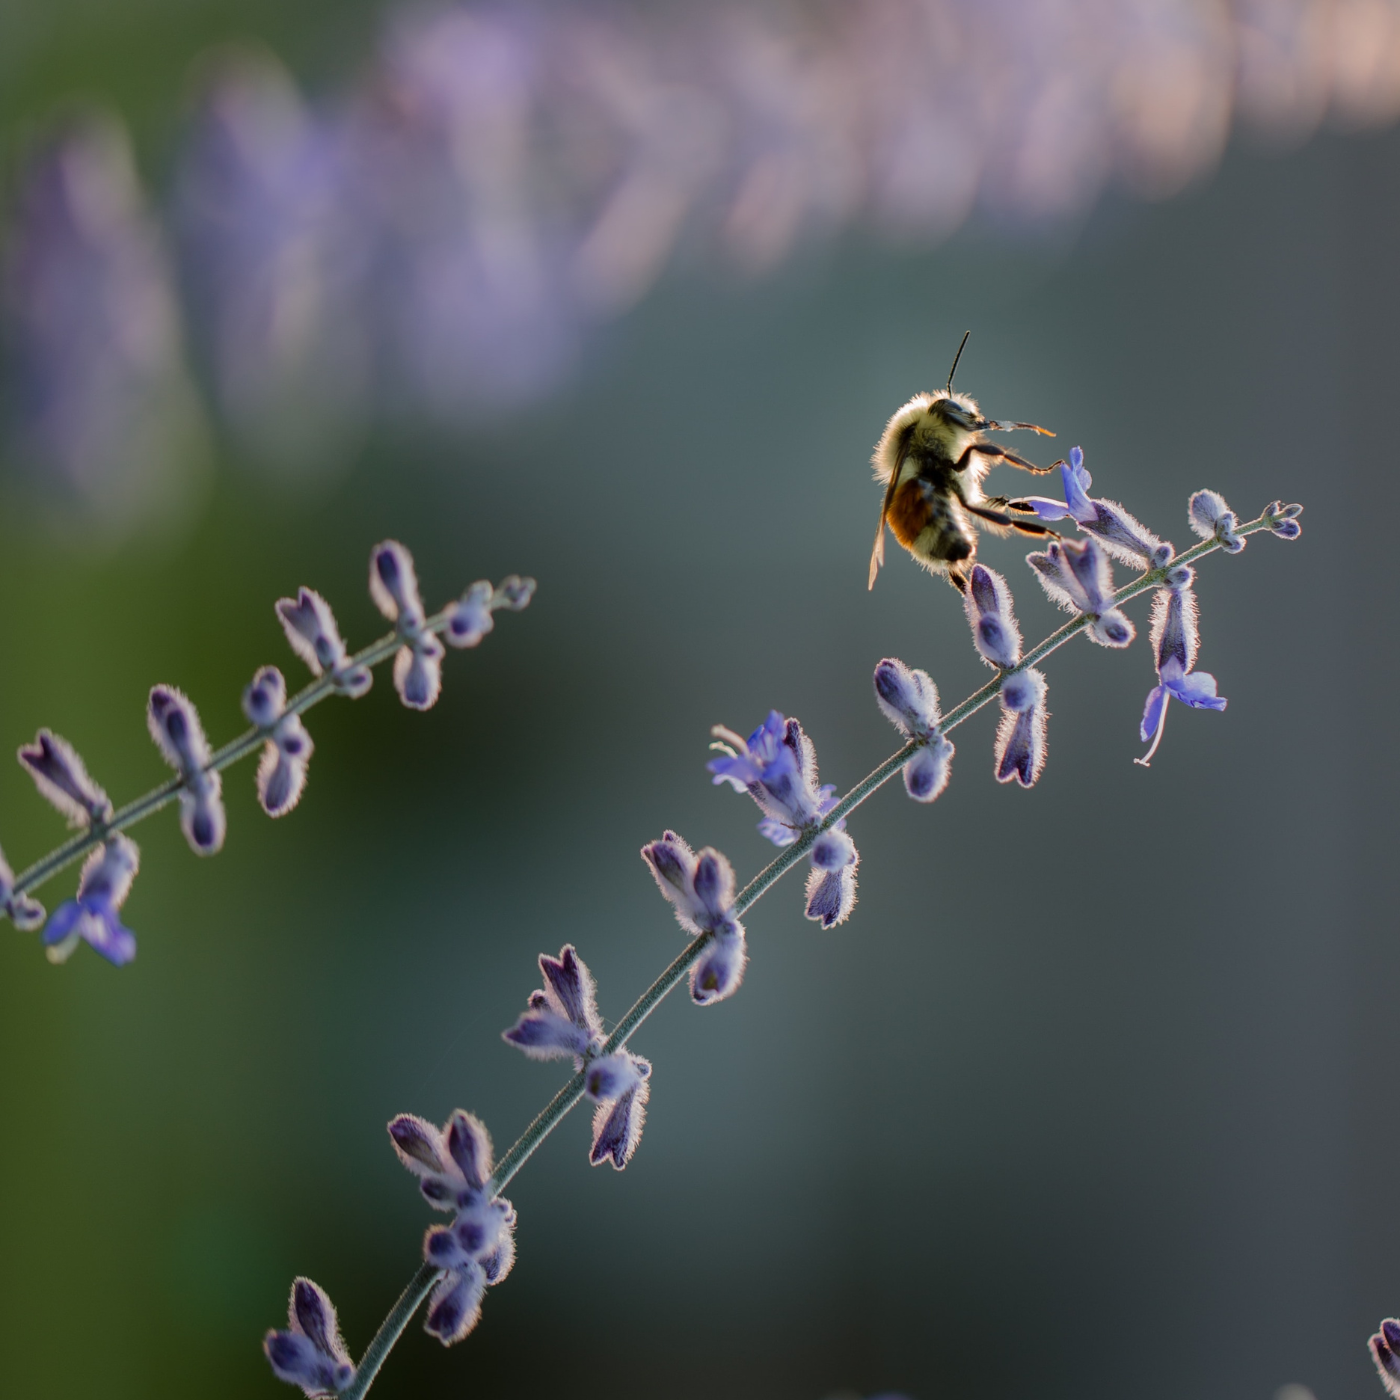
<point x="1094" y="1095"/>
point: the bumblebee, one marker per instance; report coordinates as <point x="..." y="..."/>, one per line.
<point x="931" y="459"/>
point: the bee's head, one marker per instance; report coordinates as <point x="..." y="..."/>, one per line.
<point x="958" y="411"/>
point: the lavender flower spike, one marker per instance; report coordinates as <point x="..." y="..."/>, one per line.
<point x="1385" y="1352"/>
<point x="1175" y="640"/>
<point x="453" y="1165"/>
<point x="909" y="700"/>
<point x="701" y="889"/>
<point x="1124" y="537"/>
<point x="310" y="1353"/>
<point x="1079" y="578"/>
<point x="23" y="912"/>
<point x="393" y="585"/>
<point x="1211" y="519"/>
<point x="562" y="1019"/>
<point x="777" y="766"/>
<point x="310" y="626"/>
<point x="282" y="768"/>
<point x="178" y="734"/>
<point x="92" y="916"/>
<point x="989" y="614"/>
<point x="1020" y="742"/>
<point x="60" y="776"/>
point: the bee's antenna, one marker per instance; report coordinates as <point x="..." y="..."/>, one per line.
<point x="956" y="358"/>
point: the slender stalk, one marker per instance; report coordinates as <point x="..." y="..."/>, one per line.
<point x="555" y="1111"/>
<point x="246" y="743"/>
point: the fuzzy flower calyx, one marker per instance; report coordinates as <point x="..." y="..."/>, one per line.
<point x="1079" y="577"/>
<point x="1020" y="741"/>
<point x="91" y="917"/>
<point x="469" y="619"/>
<point x="990" y="614"/>
<point x="453" y="1165"/>
<point x="1284" y="520"/>
<point x="62" y="778"/>
<point x="178" y="734"/>
<point x="312" y="633"/>
<point x="1212" y="519"/>
<point x="701" y="890"/>
<point x="393" y="584"/>
<point x="561" y="1021"/>
<point x="310" y="1353"/>
<point x="282" y="769"/>
<point x="909" y="700"/>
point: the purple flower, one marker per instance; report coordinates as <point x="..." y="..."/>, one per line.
<point x="453" y="1165"/>
<point x="562" y="1021"/>
<point x="620" y="1084"/>
<point x="282" y="768"/>
<point x="469" y="619"/>
<point x="22" y="911"/>
<point x="777" y="766"/>
<point x="1124" y="537"/>
<point x="831" y="885"/>
<point x="394" y="587"/>
<point x="1079" y="577"/>
<point x="92" y="916"/>
<point x="1385" y="1352"/>
<point x="178" y="734"/>
<point x="1175" y="640"/>
<point x="1211" y="518"/>
<point x="60" y="776"/>
<point x="102" y="409"/>
<point x="1020" y="742"/>
<point x="701" y="889"/>
<point x="310" y="1353"/>
<point x="310" y="626"/>
<point x="909" y="700"/>
<point x="989" y="613"/>
<point x="1284" y="520"/>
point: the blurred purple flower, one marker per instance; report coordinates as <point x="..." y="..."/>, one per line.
<point x="282" y="768"/>
<point x="178" y="734"/>
<point x="1385" y="1352"/>
<point x="310" y="1353"/>
<point x="25" y="913"/>
<point x="100" y="411"/>
<point x="92" y="917"/>
<point x="61" y="776"/>
<point x="312" y="633"/>
<point x="393" y="585"/>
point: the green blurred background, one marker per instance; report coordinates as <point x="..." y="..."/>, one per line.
<point x="1093" y="1095"/>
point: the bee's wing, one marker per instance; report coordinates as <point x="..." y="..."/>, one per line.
<point x="877" y="555"/>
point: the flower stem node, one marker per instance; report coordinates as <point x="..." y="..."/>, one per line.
<point x="992" y="619"/>
<point x="453" y="1165"/>
<point x="62" y="778"/>
<point x="909" y="700"/>
<point x="281" y="774"/>
<point x="311" y="632"/>
<point x="91" y="918"/>
<point x="310" y="1353"/>
<point x="178" y="734"/>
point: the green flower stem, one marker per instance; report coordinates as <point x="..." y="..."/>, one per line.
<point x="572" y="1092"/>
<point x="246" y="743"/>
